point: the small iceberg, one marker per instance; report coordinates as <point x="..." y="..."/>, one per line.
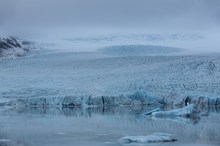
<point x="152" y="111"/>
<point x="187" y="111"/>
<point x="4" y="142"/>
<point x="154" y="138"/>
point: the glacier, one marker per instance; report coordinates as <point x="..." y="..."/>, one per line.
<point x="110" y="76"/>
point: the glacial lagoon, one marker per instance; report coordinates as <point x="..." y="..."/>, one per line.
<point x="103" y="126"/>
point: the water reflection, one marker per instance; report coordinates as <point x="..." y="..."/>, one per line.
<point x="111" y="110"/>
<point x="101" y="126"/>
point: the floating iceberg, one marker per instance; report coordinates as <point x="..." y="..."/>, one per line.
<point x="152" y="111"/>
<point x="154" y="138"/>
<point x="186" y="111"/>
<point x="4" y="142"/>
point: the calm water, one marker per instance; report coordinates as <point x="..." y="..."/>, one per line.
<point x="101" y="127"/>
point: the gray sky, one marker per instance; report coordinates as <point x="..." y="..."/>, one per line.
<point x="157" y="14"/>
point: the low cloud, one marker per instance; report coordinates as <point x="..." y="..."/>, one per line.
<point x="187" y="14"/>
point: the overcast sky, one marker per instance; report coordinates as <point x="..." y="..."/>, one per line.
<point x="155" y="14"/>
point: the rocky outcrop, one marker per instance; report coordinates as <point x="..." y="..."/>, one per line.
<point x="11" y="42"/>
<point x="12" y="47"/>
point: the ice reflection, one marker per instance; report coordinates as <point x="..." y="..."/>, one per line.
<point x="111" y="110"/>
<point x="101" y="126"/>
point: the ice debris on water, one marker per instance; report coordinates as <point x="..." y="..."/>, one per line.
<point x="154" y="138"/>
<point x="152" y="111"/>
<point x="186" y="111"/>
<point x="4" y="142"/>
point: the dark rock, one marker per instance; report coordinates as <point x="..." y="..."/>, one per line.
<point x="12" y="46"/>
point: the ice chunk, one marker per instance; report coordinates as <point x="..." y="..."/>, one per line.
<point x="180" y="112"/>
<point x="154" y="138"/>
<point x="152" y="111"/>
<point x="4" y="142"/>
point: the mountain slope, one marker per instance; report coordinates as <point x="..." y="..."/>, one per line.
<point x="11" y="47"/>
